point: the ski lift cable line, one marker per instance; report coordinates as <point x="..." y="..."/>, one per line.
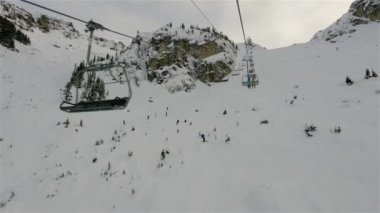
<point x="77" y="19"/>
<point x="204" y="15"/>
<point x="242" y="27"/>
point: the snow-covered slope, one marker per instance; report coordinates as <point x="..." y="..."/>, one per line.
<point x="361" y="13"/>
<point x="150" y="156"/>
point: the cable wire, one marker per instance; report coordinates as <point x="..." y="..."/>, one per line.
<point x="54" y="11"/>
<point x="204" y="15"/>
<point x="77" y="19"/>
<point x="242" y="27"/>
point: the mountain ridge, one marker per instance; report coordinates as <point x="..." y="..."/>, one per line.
<point x="361" y="12"/>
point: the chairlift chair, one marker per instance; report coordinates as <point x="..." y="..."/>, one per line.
<point x="246" y="80"/>
<point x="250" y="80"/>
<point x="100" y="105"/>
<point x="111" y="104"/>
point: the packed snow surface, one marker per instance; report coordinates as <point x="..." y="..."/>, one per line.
<point x="150" y="156"/>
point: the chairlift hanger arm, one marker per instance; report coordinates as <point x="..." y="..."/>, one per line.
<point x="242" y="27"/>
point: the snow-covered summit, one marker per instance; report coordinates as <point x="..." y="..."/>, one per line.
<point x="361" y="12"/>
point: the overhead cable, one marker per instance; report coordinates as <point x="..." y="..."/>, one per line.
<point x="77" y="19"/>
<point x="204" y="15"/>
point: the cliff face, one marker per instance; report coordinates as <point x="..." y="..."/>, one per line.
<point x="177" y="57"/>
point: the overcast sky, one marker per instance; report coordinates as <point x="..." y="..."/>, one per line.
<point x="270" y="23"/>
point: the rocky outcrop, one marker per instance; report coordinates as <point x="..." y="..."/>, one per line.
<point x="368" y="9"/>
<point x="24" y="20"/>
<point x="177" y="57"/>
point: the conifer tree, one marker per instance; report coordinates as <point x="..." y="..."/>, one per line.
<point x="67" y="92"/>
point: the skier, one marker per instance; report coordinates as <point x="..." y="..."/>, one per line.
<point x="374" y="75"/>
<point x="367" y="74"/>
<point x="349" y="82"/>
<point x="203" y="137"/>
<point x="228" y="139"/>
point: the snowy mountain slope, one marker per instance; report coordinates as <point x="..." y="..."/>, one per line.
<point x="118" y="161"/>
<point x="361" y="12"/>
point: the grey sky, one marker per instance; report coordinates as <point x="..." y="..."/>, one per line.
<point x="270" y="23"/>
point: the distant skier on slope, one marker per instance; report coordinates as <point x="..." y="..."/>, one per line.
<point x="374" y="75"/>
<point x="349" y="82"/>
<point x="203" y="137"/>
<point x="367" y="74"/>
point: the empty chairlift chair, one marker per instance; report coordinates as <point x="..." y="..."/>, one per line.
<point x="100" y="105"/>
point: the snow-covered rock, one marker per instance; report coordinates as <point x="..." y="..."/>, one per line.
<point x="361" y="12"/>
<point x="18" y="16"/>
<point x="178" y="56"/>
<point x="28" y="24"/>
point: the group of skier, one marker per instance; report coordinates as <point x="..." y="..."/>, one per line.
<point x="368" y="75"/>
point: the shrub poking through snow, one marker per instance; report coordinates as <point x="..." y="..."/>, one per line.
<point x="310" y="130"/>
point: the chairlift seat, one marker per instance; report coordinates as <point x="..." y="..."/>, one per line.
<point x="110" y="104"/>
<point x="248" y="79"/>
